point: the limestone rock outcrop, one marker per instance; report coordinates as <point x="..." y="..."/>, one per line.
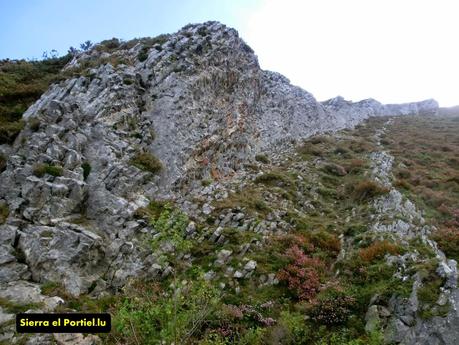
<point x="196" y="100"/>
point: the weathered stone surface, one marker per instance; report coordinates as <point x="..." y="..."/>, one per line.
<point x="23" y="293"/>
<point x="404" y="324"/>
<point x="200" y="104"/>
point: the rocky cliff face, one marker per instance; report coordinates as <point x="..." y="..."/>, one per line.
<point x="196" y="100"/>
<point x="199" y="102"/>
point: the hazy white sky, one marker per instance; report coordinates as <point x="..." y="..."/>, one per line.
<point x="391" y="50"/>
<point x="394" y="51"/>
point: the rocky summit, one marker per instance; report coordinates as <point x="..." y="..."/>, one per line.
<point x="149" y="159"/>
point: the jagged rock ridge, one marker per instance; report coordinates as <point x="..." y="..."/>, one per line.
<point x="198" y="101"/>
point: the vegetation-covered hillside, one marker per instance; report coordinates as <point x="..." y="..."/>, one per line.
<point x="21" y="84"/>
<point x="298" y="261"/>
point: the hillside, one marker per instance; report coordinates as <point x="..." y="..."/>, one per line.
<point x="201" y="200"/>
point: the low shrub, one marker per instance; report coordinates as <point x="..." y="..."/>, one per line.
<point x="262" y="159"/>
<point x="447" y="239"/>
<point x="108" y="45"/>
<point x="335" y="169"/>
<point x="272" y="179"/>
<point x="404" y="173"/>
<point x="320" y="139"/>
<point x="86" y="170"/>
<point x="354" y="165"/>
<point x="333" y="310"/>
<point x="367" y="189"/>
<point x="378" y="250"/>
<point x="42" y="169"/>
<point x="10" y="130"/>
<point x="340" y="150"/>
<point x="34" y="124"/>
<point x="147" y="162"/>
<point x="360" y="146"/>
<point x="4" y="212"/>
<point x="325" y="241"/>
<point x="143" y="53"/>
<point x="310" y="149"/>
<point x="153" y="315"/>
<point x="401" y="183"/>
<point x="2" y="163"/>
<point x="302" y="275"/>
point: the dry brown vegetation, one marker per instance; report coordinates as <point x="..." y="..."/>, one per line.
<point x="427" y="169"/>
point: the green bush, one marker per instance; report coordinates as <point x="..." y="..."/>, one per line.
<point x="10" y="130"/>
<point x="42" y="169"/>
<point x="172" y="316"/>
<point x="262" y="158"/>
<point x="108" y="45"/>
<point x="147" y="162"/>
<point x="21" y="84"/>
<point x="143" y="54"/>
<point x="86" y="170"/>
<point x="171" y="225"/>
<point x="4" y="212"/>
<point x="153" y="210"/>
<point x="2" y="163"/>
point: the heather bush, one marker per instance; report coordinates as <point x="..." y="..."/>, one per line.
<point x="366" y="189"/>
<point x="333" y="310"/>
<point x="447" y="239"/>
<point x="302" y="275"/>
<point x="326" y="241"/>
<point x="378" y="250"/>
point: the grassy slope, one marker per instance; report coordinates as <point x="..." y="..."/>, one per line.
<point x="326" y="193"/>
<point x="427" y="170"/>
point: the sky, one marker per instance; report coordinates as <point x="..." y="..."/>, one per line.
<point x="391" y="50"/>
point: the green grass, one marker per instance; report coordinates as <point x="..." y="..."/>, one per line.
<point x="42" y="169"/>
<point x="147" y="162"/>
<point x="427" y="168"/>
<point x="15" y="308"/>
<point x="366" y="189"/>
<point x="9" y="130"/>
<point x="21" y="84"/>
